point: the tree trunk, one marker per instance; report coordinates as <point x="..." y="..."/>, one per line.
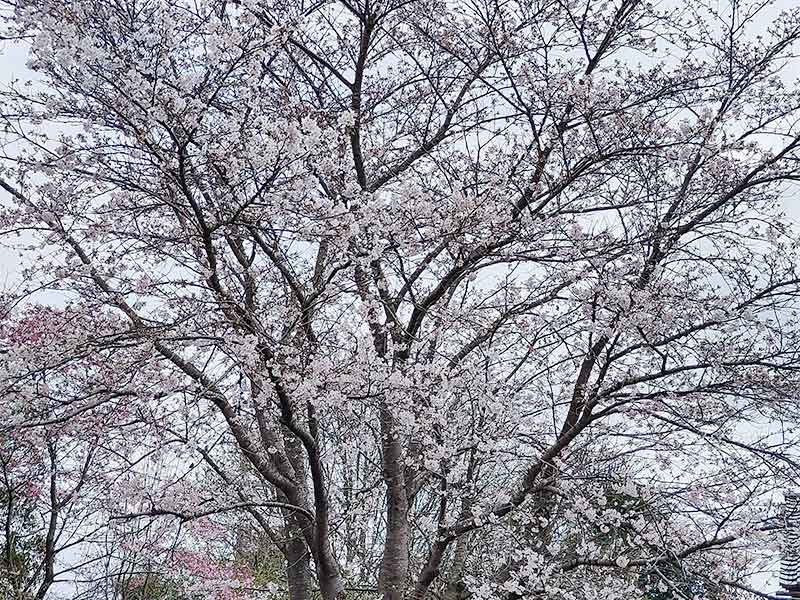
<point x="394" y="565"/>
<point x="298" y="571"/>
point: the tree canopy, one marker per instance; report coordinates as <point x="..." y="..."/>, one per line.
<point x="410" y="299"/>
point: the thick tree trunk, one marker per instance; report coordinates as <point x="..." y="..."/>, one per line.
<point x="315" y="536"/>
<point x="455" y="577"/>
<point x="394" y="566"/>
<point x="297" y="557"/>
<point x="298" y="571"/>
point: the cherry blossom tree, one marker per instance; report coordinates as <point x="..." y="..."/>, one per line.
<point x="411" y="299"/>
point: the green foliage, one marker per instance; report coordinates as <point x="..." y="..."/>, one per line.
<point x="268" y="569"/>
<point x="263" y="560"/>
<point x="20" y="550"/>
<point x="666" y="577"/>
<point x="629" y="507"/>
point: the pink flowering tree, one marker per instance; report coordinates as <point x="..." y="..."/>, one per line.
<point x="54" y="467"/>
<point x="405" y="299"/>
